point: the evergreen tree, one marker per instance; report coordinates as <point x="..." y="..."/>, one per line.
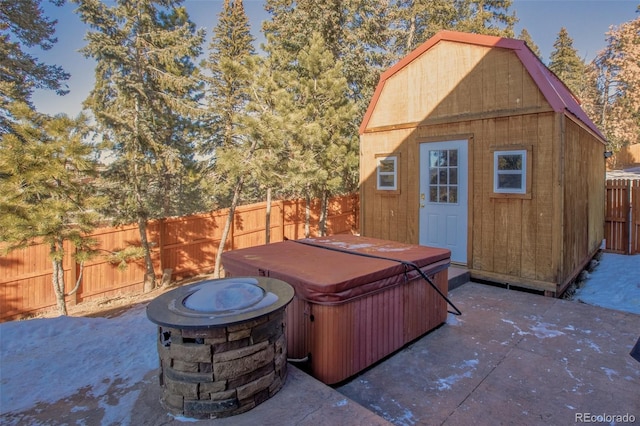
<point x="312" y="114"/>
<point x="232" y="67"/>
<point x="354" y="31"/>
<point x="364" y="50"/>
<point x="46" y="190"/>
<point x="324" y="151"/>
<point x="490" y="17"/>
<point x="617" y="106"/>
<point x="23" y="24"/>
<point x="145" y="91"/>
<point x="332" y="26"/>
<point x="414" y="22"/>
<point x="526" y="37"/>
<point x="566" y="64"/>
<point x="368" y="36"/>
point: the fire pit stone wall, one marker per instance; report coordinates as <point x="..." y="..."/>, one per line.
<point x="222" y="371"/>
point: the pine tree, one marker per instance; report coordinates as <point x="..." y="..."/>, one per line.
<point x="314" y="106"/>
<point x="526" y="37"/>
<point x="617" y="106"/>
<point x="490" y="17"/>
<point x="414" y="22"/>
<point x="313" y="116"/>
<point x="566" y="64"/>
<point x="356" y="32"/>
<point x="364" y="49"/>
<point x="47" y="172"/>
<point x="23" y="24"/>
<point x="145" y="91"/>
<point x="232" y="67"/>
<point x="326" y="148"/>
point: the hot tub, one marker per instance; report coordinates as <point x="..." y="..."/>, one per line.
<point x="350" y="311"/>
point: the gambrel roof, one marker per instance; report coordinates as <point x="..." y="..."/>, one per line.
<point x="556" y="93"/>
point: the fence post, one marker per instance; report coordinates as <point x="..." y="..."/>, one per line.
<point x="267" y="235"/>
<point x="634" y="216"/>
<point x="161" y="244"/>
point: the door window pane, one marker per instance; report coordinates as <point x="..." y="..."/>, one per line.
<point x="453" y="194"/>
<point x="443" y="176"/>
<point x="433" y="194"/>
<point x="433" y="176"/>
<point x="453" y="175"/>
<point x="453" y="157"/>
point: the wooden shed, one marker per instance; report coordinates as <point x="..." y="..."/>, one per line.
<point x="471" y="143"/>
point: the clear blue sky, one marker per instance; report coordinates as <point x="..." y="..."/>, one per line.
<point x="587" y="21"/>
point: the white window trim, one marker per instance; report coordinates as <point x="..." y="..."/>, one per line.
<point x="523" y="172"/>
<point x="394" y="173"/>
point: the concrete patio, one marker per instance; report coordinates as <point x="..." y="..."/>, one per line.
<point x="511" y="358"/>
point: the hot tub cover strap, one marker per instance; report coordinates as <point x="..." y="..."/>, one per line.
<point x="373" y="256"/>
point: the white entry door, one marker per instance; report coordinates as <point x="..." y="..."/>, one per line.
<point x="443" y="197"/>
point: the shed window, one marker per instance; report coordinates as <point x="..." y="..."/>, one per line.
<point x="510" y="172"/>
<point x="388" y="173"/>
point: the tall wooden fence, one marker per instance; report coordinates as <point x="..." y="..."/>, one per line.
<point x="622" y="216"/>
<point x="186" y="245"/>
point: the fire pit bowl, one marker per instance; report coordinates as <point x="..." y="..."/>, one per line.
<point x="222" y="344"/>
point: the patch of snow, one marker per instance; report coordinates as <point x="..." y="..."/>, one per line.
<point x="348" y="246"/>
<point x="518" y="329"/>
<point x="114" y="412"/>
<point x="609" y="372"/>
<point x="447" y="382"/>
<point x="632" y="172"/>
<point x="87" y="353"/>
<point x="543" y="330"/>
<point x="407" y="417"/>
<point x="341" y="403"/>
<point x="613" y="284"/>
<point x="184" y="419"/>
<point x="593" y="346"/>
<point x="470" y="363"/>
<point x="453" y="319"/>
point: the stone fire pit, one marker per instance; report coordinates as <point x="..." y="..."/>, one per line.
<point x="222" y="344"/>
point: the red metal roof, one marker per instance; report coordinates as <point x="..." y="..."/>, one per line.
<point x="553" y="89"/>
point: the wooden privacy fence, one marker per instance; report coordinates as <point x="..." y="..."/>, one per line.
<point x="186" y="245"/>
<point x="622" y="216"/>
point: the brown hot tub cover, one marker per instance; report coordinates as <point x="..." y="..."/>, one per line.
<point x="325" y="276"/>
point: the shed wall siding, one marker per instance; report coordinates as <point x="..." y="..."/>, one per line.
<point x="583" y="198"/>
<point x="455" y="79"/>
<point x="508" y="237"/>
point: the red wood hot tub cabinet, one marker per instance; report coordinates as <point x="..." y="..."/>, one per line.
<point x="350" y="311"/>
